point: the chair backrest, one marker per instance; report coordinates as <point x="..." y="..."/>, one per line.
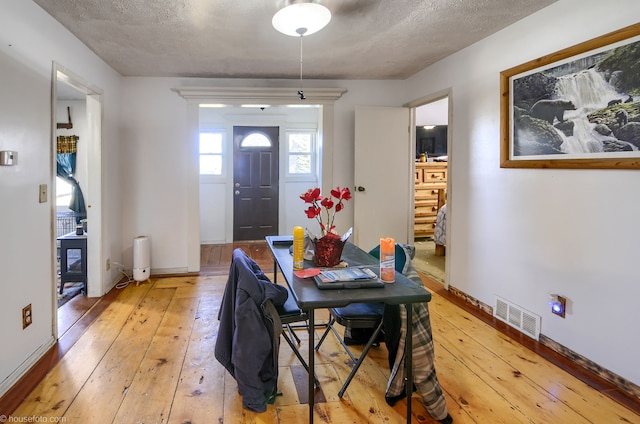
<point x="288" y="310"/>
<point x="400" y="256"/>
<point x="248" y="339"/>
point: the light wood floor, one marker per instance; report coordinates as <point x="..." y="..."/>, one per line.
<point x="147" y="357"/>
<point x="426" y="260"/>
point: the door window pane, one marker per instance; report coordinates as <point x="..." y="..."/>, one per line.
<point x="300" y="143"/>
<point x="255" y="140"/>
<point x="210" y="165"/>
<point x="299" y="164"/>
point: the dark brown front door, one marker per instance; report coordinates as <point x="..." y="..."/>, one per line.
<point x="255" y="182"/>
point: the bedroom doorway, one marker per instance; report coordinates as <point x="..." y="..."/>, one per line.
<point x="432" y="175"/>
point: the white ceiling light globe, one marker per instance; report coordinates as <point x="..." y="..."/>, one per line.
<point x="301" y="19"/>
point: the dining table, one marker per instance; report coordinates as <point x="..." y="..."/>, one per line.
<point x="309" y="298"/>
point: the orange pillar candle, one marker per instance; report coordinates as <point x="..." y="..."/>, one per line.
<point x="298" y="248"/>
<point x="387" y="260"/>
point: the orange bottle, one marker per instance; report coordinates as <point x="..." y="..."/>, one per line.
<point x="388" y="260"/>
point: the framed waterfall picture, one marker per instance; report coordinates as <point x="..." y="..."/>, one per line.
<point x="575" y="108"/>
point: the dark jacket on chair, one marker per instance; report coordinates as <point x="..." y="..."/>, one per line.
<point x="249" y="335"/>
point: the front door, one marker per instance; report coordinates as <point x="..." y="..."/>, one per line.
<point x="255" y="182"/>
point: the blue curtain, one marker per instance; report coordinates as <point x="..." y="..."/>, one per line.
<point x="66" y="169"/>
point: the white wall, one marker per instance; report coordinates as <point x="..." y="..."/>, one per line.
<point x="525" y="233"/>
<point x="158" y="152"/>
<point x="30" y="40"/>
<point x="25" y="222"/>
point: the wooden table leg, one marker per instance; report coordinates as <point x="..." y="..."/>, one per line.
<point x="311" y="373"/>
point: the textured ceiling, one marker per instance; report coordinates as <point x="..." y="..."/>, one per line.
<point x="366" y="39"/>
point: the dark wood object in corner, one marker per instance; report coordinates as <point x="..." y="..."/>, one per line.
<point x="69" y="124"/>
<point x="430" y="180"/>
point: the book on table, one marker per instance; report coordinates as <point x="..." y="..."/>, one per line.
<point x="347" y="278"/>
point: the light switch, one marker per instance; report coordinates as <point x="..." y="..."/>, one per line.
<point x="43" y="193"/>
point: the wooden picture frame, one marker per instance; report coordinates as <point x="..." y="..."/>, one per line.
<point x="575" y="108"/>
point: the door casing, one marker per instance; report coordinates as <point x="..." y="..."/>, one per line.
<point x="93" y="196"/>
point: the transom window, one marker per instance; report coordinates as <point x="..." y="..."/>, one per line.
<point x="211" y="153"/>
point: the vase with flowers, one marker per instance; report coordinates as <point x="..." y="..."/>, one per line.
<point x="328" y="246"/>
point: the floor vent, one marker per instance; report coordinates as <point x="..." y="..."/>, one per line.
<point x="517" y="317"/>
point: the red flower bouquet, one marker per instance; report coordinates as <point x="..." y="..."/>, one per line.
<point x="328" y="247"/>
<point x="324" y="209"/>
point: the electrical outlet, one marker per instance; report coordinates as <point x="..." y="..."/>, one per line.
<point x="108" y="264"/>
<point x="27" y="318"/>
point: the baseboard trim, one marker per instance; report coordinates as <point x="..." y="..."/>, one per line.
<point x="19" y="391"/>
<point x="608" y="383"/>
<point x="592" y="367"/>
<point x="24" y="368"/>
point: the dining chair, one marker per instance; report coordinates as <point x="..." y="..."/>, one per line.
<point x="248" y="338"/>
<point x="355" y="315"/>
<point x="289" y="314"/>
<point x="361" y="316"/>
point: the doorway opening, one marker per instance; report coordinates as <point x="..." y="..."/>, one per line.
<point x="77" y="211"/>
<point x="431" y="185"/>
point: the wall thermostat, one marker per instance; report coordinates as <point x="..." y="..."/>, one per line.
<point x="8" y="158"/>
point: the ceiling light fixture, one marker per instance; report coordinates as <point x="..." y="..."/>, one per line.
<point x="300" y="19"/>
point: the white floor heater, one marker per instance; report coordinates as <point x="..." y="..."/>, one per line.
<point x="141" y="258"/>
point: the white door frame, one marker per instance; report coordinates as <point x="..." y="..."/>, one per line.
<point x="446" y="93"/>
<point x="326" y="97"/>
<point x="93" y="195"/>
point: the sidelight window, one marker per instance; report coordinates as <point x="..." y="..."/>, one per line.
<point x="301" y="156"/>
<point x="211" y="153"/>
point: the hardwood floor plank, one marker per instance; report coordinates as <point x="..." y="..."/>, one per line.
<point x="472" y="393"/>
<point x="145" y="354"/>
<point x="108" y="384"/>
<point x="199" y="397"/>
<point x="233" y="411"/>
<point x="556" y="384"/>
<point x="72" y="311"/>
<point x="498" y="377"/>
<point x="151" y="392"/>
<point x="207" y="287"/>
<point x="287" y="376"/>
<point x="62" y="384"/>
